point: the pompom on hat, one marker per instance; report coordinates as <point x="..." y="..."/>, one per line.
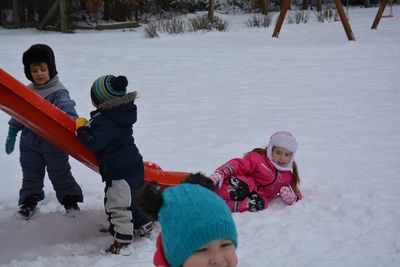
<point x="285" y="140"/>
<point x="39" y="53"/>
<point x="108" y="87"/>
<point x="190" y="217"/>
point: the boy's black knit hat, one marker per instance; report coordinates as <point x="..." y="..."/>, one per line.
<point x="38" y="53"/>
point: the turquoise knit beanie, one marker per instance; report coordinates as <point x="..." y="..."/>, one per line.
<point x="190" y="217"/>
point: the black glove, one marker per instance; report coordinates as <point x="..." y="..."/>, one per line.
<point x="256" y="202"/>
<point x="238" y="190"/>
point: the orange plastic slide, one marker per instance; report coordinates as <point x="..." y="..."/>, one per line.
<point x="58" y="128"/>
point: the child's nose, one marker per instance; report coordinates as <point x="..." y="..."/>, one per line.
<point x="217" y="259"/>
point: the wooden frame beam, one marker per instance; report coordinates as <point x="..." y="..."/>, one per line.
<point x="379" y="14"/>
<point x="339" y="8"/>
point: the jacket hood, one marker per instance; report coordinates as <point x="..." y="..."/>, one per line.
<point x="112" y="103"/>
<point x="121" y="110"/>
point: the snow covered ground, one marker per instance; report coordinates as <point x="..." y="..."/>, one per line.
<point x="208" y="97"/>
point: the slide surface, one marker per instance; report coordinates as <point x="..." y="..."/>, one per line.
<point x="58" y="128"/>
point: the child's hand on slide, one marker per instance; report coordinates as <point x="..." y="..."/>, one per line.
<point x="80" y="122"/>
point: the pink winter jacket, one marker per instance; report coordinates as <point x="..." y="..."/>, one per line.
<point x="257" y="171"/>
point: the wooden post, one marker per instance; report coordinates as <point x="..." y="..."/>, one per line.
<point x="264" y="7"/>
<point x="379" y="14"/>
<point x="339" y="8"/>
<point x="343" y="19"/>
<point x="64" y="9"/>
<point x="305" y="4"/>
<point x="54" y="8"/>
<point x="318" y="5"/>
<point x="17" y="13"/>
<point x="281" y="18"/>
<point x="211" y="4"/>
<point x="107" y="10"/>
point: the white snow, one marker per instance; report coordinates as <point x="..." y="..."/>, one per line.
<point x="209" y="97"/>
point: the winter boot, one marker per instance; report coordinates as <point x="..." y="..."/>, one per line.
<point x="70" y="204"/>
<point x="28" y="208"/>
<point x="116" y="247"/>
<point x="238" y="190"/>
<point x="144" y="230"/>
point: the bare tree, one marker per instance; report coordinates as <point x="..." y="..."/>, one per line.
<point x="264" y="6"/>
<point x="306" y="4"/>
<point x="64" y="15"/>
<point x="211" y="4"/>
<point x="17" y="13"/>
<point x="318" y="4"/>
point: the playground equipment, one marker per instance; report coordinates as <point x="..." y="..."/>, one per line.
<point x="339" y="8"/>
<point x="380" y="15"/>
<point x="337" y="18"/>
<point x="58" y="128"/>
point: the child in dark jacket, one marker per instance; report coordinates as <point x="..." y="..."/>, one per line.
<point x="109" y="135"/>
<point x="36" y="154"/>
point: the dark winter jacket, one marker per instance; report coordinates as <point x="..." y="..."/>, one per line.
<point x="54" y="92"/>
<point x="109" y="135"/>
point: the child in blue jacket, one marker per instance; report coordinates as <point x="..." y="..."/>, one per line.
<point x="109" y="135"/>
<point x="36" y="154"/>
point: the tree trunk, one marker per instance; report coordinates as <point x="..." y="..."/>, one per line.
<point x="211" y="4"/>
<point x="53" y="11"/>
<point x="305" y="4"/>
<point x="318" y="5"/>
<point x="17" y="13"/>
<point x="106" y="10"/>
<point x="64" y="15"/>
<point x="120" y="12"/>
<point x="264" y="7"/>
<point x="30" y="10"/>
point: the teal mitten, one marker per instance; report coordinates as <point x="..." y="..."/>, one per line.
<point x="10" y="142"/>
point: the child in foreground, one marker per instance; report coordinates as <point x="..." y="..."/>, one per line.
<point x="197" y="228"/>
<point x="36" y="154"/>
<point x="109" y="135"/>
<point x="249" y="183"/>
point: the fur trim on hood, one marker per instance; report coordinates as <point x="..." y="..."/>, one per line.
<point x="112" y="103"/>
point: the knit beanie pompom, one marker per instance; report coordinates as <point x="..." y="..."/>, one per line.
<point x="190" y="217"/>
<point x="108" y="87"/>
<point x="285" y="140"/>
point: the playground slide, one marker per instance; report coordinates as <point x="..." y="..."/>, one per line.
<point x="59" y="129"/>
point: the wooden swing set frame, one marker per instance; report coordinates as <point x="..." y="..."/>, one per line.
<point x="380" y="15"/>
<point x="339" y="8"/>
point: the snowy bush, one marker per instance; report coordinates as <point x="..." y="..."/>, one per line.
<point x="202" y="23"/>
<point x="259" y="20"/>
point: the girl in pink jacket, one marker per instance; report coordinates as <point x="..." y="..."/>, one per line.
<point x="249" y="183"/>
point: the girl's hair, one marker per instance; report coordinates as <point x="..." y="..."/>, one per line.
<point x="149" y="198"/>
<point x="296" y="177"/>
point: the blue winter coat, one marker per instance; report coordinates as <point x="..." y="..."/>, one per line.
<point x="109" y="135"/>
<point x="54" y="92"/>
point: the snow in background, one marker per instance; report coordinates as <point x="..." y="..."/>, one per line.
<point x="209" y="97"/>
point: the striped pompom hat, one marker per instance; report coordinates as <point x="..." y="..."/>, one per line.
<point x="108" y="87"/>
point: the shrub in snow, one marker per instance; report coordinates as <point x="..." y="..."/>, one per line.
<point x="259" y="20"/>
<point x="202" y="23"/>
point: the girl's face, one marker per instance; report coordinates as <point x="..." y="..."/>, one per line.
<point x="40" y="73"/>
<point x="217" y="253"/>
<point x="281" y="156"/>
